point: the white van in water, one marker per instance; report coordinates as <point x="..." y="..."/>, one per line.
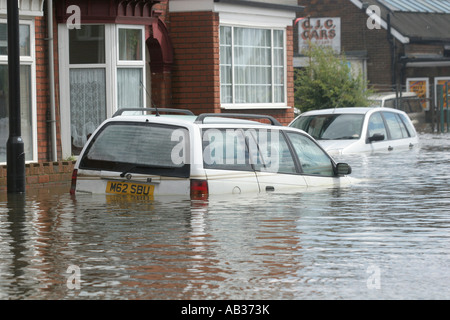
<point x="154" y="154"/>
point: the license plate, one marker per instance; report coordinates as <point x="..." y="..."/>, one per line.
<point x="117" y="187"/>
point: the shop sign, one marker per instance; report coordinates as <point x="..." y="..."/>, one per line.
<point x="324" y="32"/>
<point x="420" y="87"/>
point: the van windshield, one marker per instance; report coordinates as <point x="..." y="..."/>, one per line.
<point x="139" y="148"/>
<point x="331" y="126"/>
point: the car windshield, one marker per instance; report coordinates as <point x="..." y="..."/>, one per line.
<point x="331" y="126"/>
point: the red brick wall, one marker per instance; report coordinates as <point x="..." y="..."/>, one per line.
<point x="195" y="74"/>
<point x="43" y="175"/>
<point x="42" y="88"/>
<point x="161" y="82"/>
<point x="161" y="90"/>
<point x="43" y="91"/>
<point x="288" y="115"/>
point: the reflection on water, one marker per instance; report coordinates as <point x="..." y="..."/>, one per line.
<point x="386" y="237"/>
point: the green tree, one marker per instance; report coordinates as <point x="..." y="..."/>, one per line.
<point x="327" y="82"/>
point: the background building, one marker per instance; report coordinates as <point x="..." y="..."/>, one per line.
<point x="396" y="44"/>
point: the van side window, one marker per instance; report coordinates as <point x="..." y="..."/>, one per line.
<point x="313" y="160"/>
<point x="376" y="126"/>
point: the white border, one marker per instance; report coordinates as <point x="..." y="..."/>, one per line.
<point x="190" y="5"/>
<point x="253" y="17"/>
<point x="230" y="13"/>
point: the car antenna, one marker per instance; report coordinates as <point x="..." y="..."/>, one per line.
<point x="148" y="94"/>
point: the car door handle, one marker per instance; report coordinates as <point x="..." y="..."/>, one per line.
<point x="411" y="146"/>
<point x="390" y="148"/>
<point x="270" y="189"/>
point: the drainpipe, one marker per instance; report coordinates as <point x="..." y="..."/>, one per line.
<point x="391" y="41"/>
<point x="51" y="69"/>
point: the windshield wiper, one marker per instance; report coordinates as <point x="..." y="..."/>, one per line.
<point x="346" y="138"/>
<point x="127" y="171"/>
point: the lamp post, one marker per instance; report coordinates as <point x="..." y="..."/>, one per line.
<point x="15" y="145"/>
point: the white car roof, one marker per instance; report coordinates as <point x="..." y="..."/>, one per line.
<point x="355" y="110"/>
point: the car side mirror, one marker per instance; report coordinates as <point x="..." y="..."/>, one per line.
<point x="343" y="169"/>
<point x="376" y="137"/>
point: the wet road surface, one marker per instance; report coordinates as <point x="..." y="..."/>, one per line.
<point x="386" y="237"/>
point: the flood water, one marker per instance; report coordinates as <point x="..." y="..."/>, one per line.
<point x="386" y="237"/>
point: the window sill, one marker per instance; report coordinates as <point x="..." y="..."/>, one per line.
<point x="254" y="106"/>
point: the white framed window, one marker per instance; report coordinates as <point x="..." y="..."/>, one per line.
<point x="102" y="69"/>
<point x="252" y="67"/>
<point x="130" y="67"/>
<point x="27" y="89"/>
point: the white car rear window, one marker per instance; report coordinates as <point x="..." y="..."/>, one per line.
<point x="137" y="146"/>
<point x="147" y="145"/>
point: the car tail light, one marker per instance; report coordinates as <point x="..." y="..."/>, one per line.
<point x="199" y="189"/>
<point x="73" y="186"/>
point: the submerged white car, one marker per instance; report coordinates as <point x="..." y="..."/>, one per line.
<point x="152" y="155"/>
<point x="359" y="130"/>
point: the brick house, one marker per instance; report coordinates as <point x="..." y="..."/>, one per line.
<point x="81" y="60"/>
<point x="394" y="43"/>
